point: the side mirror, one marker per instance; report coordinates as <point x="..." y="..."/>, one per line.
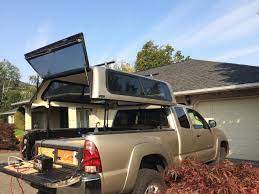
<point x="212" y="123"/>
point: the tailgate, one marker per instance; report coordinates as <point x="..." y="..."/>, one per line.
<point x="56" y="177"/>
<point x="66" y="152"/>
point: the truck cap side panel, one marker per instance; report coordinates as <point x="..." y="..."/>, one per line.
<point x="129" y="88"/>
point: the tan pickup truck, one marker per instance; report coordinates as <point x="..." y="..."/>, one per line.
<point x="141" y="131"/>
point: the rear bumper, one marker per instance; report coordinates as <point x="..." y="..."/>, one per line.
<point x="64" y="179"/>
<point x="87" y="185"/>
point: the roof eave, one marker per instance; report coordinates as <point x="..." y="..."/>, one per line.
<point x="10" y="112"/>
<point x="20" y="103"/>
<point x="217" y="89"/>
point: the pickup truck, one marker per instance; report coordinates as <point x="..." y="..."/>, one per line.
<point x="142" y="131"/>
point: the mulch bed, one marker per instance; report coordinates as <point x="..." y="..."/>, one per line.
<point x="226" y="177"/>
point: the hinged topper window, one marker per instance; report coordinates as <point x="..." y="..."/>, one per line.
<point x="61" y="58"/>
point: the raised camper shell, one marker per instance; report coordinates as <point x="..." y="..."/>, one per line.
<point x="67" y="58"/>
<point x="119" y="86"/>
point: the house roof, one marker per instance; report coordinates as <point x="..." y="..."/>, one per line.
<point x="21" y="103"/>
<point x="17" y="105"/>
<point x="196" y="75"/>
<point x="9" y="112"/>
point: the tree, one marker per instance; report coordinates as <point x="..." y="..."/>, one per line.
<point x="11" y="88"/>
<point x="124" y="66"/>
<point x="152" y="55"/>
<point x="11" y="96"/>
<point x="34" y="80"/>
<point x="9" y="79"/>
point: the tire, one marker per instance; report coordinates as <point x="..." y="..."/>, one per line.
<point x="221" y="156"/>
<point x="222" y="153"/>
<point x="149" y="180"/>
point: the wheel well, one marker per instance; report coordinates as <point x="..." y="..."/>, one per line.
<point x="224" y="144"/>
<point x="154" y="161"/>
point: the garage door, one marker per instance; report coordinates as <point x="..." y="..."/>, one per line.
<point x="239" y="119"/>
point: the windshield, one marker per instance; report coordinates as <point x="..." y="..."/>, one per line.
<point x="64" y="57"/>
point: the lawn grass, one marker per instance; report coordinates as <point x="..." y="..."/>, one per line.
<point x="18" y="134"/>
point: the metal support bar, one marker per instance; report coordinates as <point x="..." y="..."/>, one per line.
<point x="48" y="120"/>
<point x="161" y="115"/>
<point x="105" y="112"/>
<point x="106" y="115"/>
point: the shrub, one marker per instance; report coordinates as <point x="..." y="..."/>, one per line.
<point x="19" y="119"/>
<point x="226" y="177"/>
<point x="7" y="137"/>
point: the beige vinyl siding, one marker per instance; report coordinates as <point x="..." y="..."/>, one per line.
<point x="239" y="119"/>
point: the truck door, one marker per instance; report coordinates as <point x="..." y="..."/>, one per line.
<point x="204" y="140"/>
<point x="186" y="136"/>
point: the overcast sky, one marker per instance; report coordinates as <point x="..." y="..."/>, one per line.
<point x="223" y="30"/>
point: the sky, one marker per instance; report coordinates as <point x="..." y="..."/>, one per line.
<point x="217" y="30"/>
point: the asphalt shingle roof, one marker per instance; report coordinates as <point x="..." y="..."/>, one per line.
<point x="198" y="74"/>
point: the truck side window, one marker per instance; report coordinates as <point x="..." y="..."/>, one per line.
<point x="141" y="119"/>
<point x="183" y="120"/>
<point x="198" y="122"/>
<point x="153" y="118"/>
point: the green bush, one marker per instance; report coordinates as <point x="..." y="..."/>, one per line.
<point x="19" y="119"/>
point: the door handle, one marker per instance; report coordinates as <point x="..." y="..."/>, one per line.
<point x="198" y="135"/>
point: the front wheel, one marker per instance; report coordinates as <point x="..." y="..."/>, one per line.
<point x="221" y="155"/>
<point x="149" y="182"/>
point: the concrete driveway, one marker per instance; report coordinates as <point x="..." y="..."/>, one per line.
<point x="5" y="180"/>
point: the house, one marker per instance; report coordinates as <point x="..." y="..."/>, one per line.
<point x="8" y="116"/>
<point x="61" y="115"/>
<point x="225" y="92"/>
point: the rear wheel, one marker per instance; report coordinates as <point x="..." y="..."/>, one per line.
<point x="149" y="182"/>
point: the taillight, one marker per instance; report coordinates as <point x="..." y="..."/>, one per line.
<point x="91" y="161"/>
